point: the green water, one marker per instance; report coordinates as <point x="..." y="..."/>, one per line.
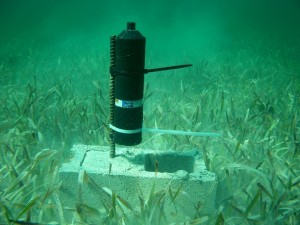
<point x="244" y="83"/>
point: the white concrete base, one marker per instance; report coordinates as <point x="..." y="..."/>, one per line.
<point x="133" y="172"/>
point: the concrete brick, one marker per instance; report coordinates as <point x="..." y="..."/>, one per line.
<point x="134" y="172"/>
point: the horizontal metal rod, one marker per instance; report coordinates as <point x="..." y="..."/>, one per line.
<point x="166" y="68"/>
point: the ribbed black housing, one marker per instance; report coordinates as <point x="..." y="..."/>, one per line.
<point x="129" y="83"/>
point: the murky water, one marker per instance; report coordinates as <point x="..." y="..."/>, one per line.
<point x="244" y="83"/>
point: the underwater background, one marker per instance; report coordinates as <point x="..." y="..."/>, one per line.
<point x="244" y="83"/>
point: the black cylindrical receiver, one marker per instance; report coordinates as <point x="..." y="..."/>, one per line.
<point x="129" y="86"/>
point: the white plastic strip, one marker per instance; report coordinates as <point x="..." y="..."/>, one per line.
<point x="128" y="104"/>
<point x="125" y="131"/>
<point x="160" y="131"/>
<point x="180" y="132"/>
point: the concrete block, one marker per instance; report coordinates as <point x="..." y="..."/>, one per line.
<point x="134" y="172"/>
